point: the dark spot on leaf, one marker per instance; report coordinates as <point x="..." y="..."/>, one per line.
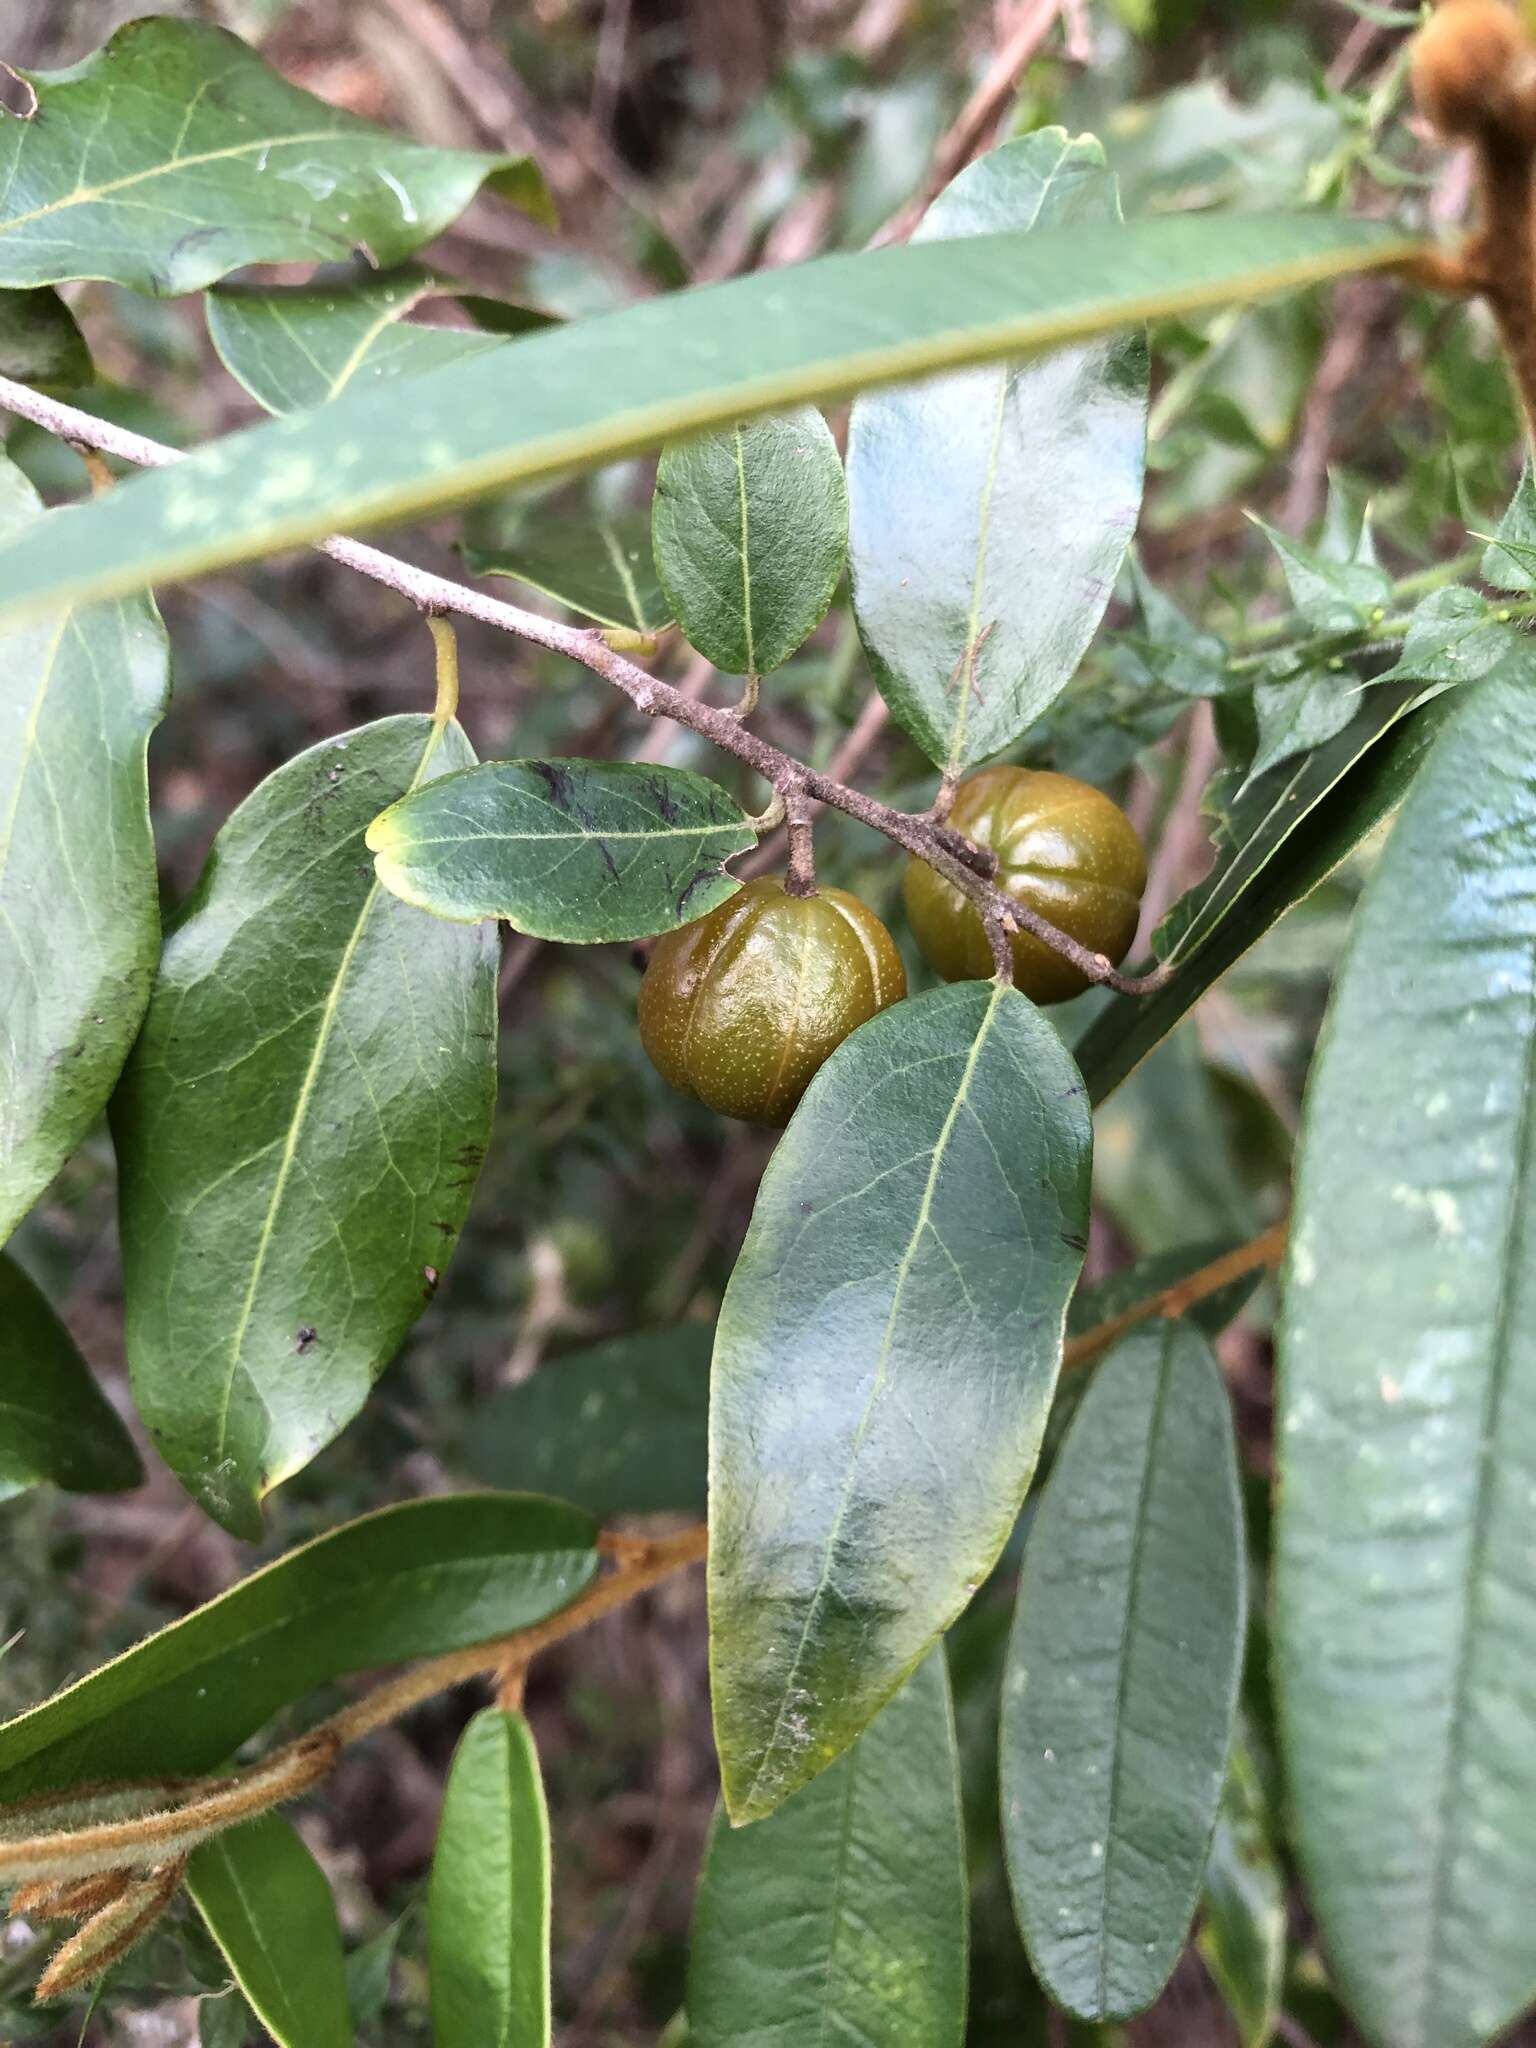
<point x="1078" y="1244"/>
<point x="608" y="860"/>
<point x="448" y="1229"/>
<point x="662" y="792"/>
<point x="805" y="1208"/>
<point x="710" y="873"/>
<point x="306" y="1336"/>
<point x="556" y="780"/>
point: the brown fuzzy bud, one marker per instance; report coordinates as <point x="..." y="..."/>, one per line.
<point x="1474" y="70"/>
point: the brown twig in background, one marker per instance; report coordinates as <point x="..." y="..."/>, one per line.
<point x="1262" y="1255"/>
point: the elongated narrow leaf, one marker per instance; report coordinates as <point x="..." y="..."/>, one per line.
<point x="174" y="155"/>
<point x="409" y="1581"/>
<point x="585" y="394"/>
<point x="267" y="1904"/>
<point x="308" y="1033"/>
<point x="40" y="342"/>
<point x="622" y="1429"/>
<point x="843" y="1917"/>
<point x="575" y="850"/>
<point x="488" y="1904"/>
<point x="80" y="694"/>
<point x="992" y="511"/>
<point x="602" y="568"/>
<point x="1243" y="1915"/>
<point x="884" y="1363"/>
<point x="1122" y="1676"/>
<point x="751" y="534"/>
<point x="55" y="1424"/>
<point x="1405" y="1623"/>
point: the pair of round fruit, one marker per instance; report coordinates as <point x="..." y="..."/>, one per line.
<point x="743" y="1006"/>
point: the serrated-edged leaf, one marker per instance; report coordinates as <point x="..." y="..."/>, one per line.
<point x="991" y="511"/>
<point x="621" y="1429"/>
<point x="1509" y="560"/>
<point x="584" y="395"/>
<point x="301" y="345"/>
<point x="1334" y="590"/>
<point x="80" y="693"/>
<point x="266" y="1902"/>
<point x="1300" y="706"/>
<point x="488" y="1901"/>
<point x="750" y="528"/>
<point x="582" y="851"/>
<point x="174" y="155"/>
<point x="307" y="1034"/>
<point x="842" y="1917"/>
<point x="1405" y="1629"/>
<point x="1122" y="1677"/>
<point x="884" y="1363"/>
<point x="410" y="1581"/>
<point x="1284" y="837"/>
<point x="40" y="342"/>
<point x="55" y="1424"/>
<point x="1244" y="1910"/>
<point x="603" y="568"/>
<point x="1454" y="636"/>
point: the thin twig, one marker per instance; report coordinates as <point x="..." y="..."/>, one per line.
<point x="1263" y="1254"/>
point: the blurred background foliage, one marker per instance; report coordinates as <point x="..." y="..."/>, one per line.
<point x="687" y="140"/>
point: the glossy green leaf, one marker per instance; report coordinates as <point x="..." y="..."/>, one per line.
<point x="582" y="851"/>
<point x="1509" y="560"/>
<point x="174" y="155"/>
<point x="1122" y="1677"/>
<point x="1281" y="839"/>
<point x="602" y="568"/>
<point x="581" y="396"/>
<point x="621" y="1429"/>
<point x="410" y="1581"/>
<point x="1454" y="636"/>
<point x="885" y="1359"/>
<point x="40" y="342"/>
<point x="1244" y="1912"/>
<point x="55" y="1423"/>
<point x="80" y="693"/>
<point x="306" y="1035"/>
<point x="1405" y="1631"/>
<point x="991" y="512"/>
<point x="1339" y="586"/>
<point x="295" y="346"/>
<point x="751" y="533"/>
<point x="266" y="1902"/>
<point x="843" y="1916"/>
<point x="488" y="1902"/>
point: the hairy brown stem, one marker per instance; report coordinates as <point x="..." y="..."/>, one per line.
<point x="1264" y="1253"/>
<point x="918" y="833"/>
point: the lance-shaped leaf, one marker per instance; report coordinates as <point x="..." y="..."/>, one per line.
<point x="301" y="1123"/>
<point x="885" y="1358"/>
<point x="266" y="1902"/>
<point x="585" y="395"/>
<point x="488" y="1901"/>
<point x="1405" y="1624"/>
<point x="174" y="155"/>
<point x="581" y="851"/>
<point x="1244" y="1910"/>
<point x="1121" y="1685"/>
<point x="80" y="693"/>
<point x="991" y="512"/>
<point x="409" y="1581"/>
<point x="843" y="1916"/>
<point x="601" y="567"/>
<point x="40" y="342"/>
<point x="751" y="534"/>
<point x="55" y="1424"/>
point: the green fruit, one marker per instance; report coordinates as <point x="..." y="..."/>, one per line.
<point x="742" y="1007"/>
<point x="1064" y="850"/>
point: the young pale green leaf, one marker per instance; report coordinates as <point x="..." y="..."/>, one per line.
<point x="885" y="1359"/>
<point x="1300" y="705"/>
<point x="488" y="1901"/>
<point x="1509" y="560"/>
<point x="266" y="1902"/>
<point x="621" y="1429"/>
<point x="1279" y="841"/>
<point x="296" y="346"/>
<point x="1336" y="587"/>
<point x="80" y="694"/>
<point x="1121" y="1686"/>
<point x="843" y="1916"/>
<point x="750" y="528"/>
<point x="307" y="1032"/>
<point x="55" y="1424"/>
<point x="174" y="155"/>
<point x="1405" y="1633"/>
<point x="224" y="2020"/>
<point x="409" y="1581"/>
<point x="39" y="341"/>
<point x="991" y="512"/>
<point x="1454" y="636"/>
<point x="581" y="851"/>
<point x="1244" y="1911"/>
<point x="583" y="395"/>
<point x="602" y="568"/>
